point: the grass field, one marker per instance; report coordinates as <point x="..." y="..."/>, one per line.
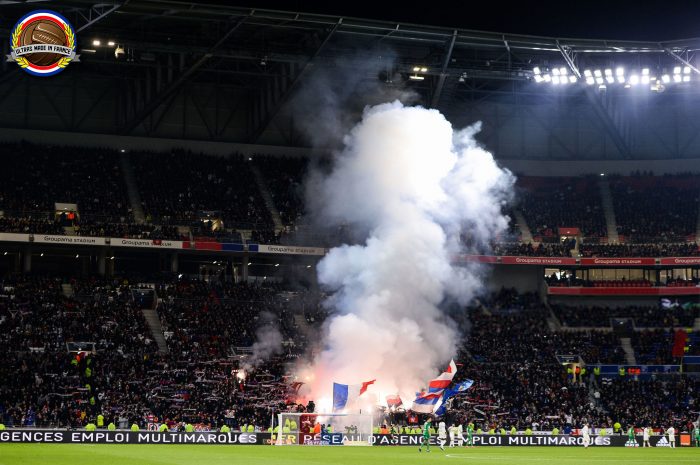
<point x="78" y="454"/>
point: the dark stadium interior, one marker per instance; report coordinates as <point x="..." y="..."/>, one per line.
<point x="160" y="199"/>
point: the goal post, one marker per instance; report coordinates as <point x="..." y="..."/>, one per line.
<point x="324" y="429"/>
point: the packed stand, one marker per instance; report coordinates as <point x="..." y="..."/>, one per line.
<point x="543" y="249"/>
<point x="180" y="187"/>
<point x="685" y="249"/>
<point x="643" y="316"/>
<point x="656" y="208"/>
<point x="555" y="202"/>
<point x="285" y="177"/>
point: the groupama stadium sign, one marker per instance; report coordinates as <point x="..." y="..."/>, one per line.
<point x="217" y="438"/>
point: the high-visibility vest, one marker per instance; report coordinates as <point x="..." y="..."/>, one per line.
<point x="621" y="371"/>
<point x="100" y="421"/>
<point x="251" y="428"/>
<point x="189" y="428"/>
<point x="134" y="427"/>
<point x="596" y="371"/>
<point x="111" y="427"/>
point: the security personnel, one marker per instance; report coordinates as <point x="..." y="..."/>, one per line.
<point x="621" y="371"/>
<point x="111" y="426"/>
<point x="90" y="427"/>
<point x="224" y="429"/>
<point x="100" y="421"/>
<point x="134" y="427"/>
<point x="163" y="428"/>
<point x="2" y="427"/>
<point x="251" y="428"/>
<point x="596" y="371"/>
<point x="189" y="428"/>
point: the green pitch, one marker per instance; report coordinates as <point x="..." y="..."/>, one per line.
<point x="78" y="454"/>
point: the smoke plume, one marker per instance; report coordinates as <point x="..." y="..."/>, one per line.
<point x="414" y="185"/>
<point x="268" y="342"/>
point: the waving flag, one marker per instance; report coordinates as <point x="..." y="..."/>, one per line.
<point x="448" y="393"/>
<point x="425" y="401"/>
<point x="444" y="380"/>
<point x="347" y="394"/>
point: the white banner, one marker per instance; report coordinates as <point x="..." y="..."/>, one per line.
<point x="12" y="237"/>
<point x="145" y="243"/>
<point x="73" y="240"/>
<point x="291" y="250"/>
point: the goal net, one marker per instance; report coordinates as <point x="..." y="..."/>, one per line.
<point x="324" y="429"/>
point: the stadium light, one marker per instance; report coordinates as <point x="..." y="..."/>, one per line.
<point x="620" y="72"/>
<point x="597" y="73"/>
<point x="536" y="70"/>
<point x="415" y="77"/>
<point x="587" y="73"/>
<point x="416" y="69"/>
<point x="686" y="70"/>
<point x="645" y="79"/>
<point x="608" y="72"/>
<point x="590" y="81"/>
<point x="602" y="174"/>
<point x="645" y="71"/>
<point x="277" y="264"/>
<point x="110" y="43"/>
<point x="610" y="79"/>
<point x="308" y="266"/>
<point x="96" y="42"/>
<point x="677" y="70"/>
<point x="538" y="78"/>
<point x="41" y="254"/>
<point x="555" y="80"/>
<point x="555" y="71"/>
<point x="563" y="71"/>
<point x="112" y="257"/>
<point x="621" y="79"/>
<point x="676" y="78"/>
<point x="77" y="255"/>
<point x="599" y="81"/>
<point x="666" y="78"/>
<point x="686" y="78"/>
<point x="424" y="70"/>
<point x="5" y="253"/>
<point x="573" y="79"/>
<point x="250" y="263"/>
<point x="547" y="78"/>
<point x="634" y="79"/>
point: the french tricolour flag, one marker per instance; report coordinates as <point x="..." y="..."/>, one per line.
<point x="426" y="401"/>
<point x="347" y="394"/>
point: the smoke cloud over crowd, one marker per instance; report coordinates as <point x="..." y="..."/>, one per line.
<point x="415" y="186"/>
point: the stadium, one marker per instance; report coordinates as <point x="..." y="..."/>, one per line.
<point x="332" y="234"/>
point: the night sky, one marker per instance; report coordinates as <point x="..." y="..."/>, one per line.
<point x="641" y="20"/>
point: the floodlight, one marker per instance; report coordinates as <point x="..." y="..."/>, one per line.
<point x="686" y="70"/>
<point x="597" y="73"/>
<point x="536" y="70"/>
<point x="676" y="78"/>
<point x="547" y="78"/>
<point x="555" y="80"/>
<point x="590" y="81"/>
<point x="645" y="79"/>
<point x="666" y="78"/>
<point x="608" y="72"/>
<point x="677" y="70"/>
<point x="645" y="71"/>
<point x="563" y="71"/>
<point x="620" y="71"/>
<point x="555" y="71"/>
<point x="599" y="80"/>
<point x="538" y="78"/>
<point x="572" y="79"/>
<point x="634" y="79"/>
<point x="587" y="73"/>
<point x="621" y="79"/>
<point x="610" y="79"/>
<point x="686" y="78"/>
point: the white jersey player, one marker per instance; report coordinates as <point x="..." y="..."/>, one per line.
<point x="452" y="430"/>
<point x="442" y="435"/>
<point x="460" y="435"/>
<point x="645" y="435"/>
<point x="586" y="432"/>
<point x="671" y="431"/>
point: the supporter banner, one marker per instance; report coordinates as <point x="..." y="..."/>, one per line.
<point x="72" y="240"/>
<point x="538" y="260"/>
<point x="625" y="261"/>
<point x="291" y="250"/>
<point x="680" y="261"/>
<point x="660" y="291"/>
<point x="569" y="231"/>
<point x="129" y="437"/>
<point x="145" y="243"/>
<point x="12" y="237"/>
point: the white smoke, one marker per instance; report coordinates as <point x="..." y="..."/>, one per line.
<point x="268" y="342"/>
<point x="414" y="184"/>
